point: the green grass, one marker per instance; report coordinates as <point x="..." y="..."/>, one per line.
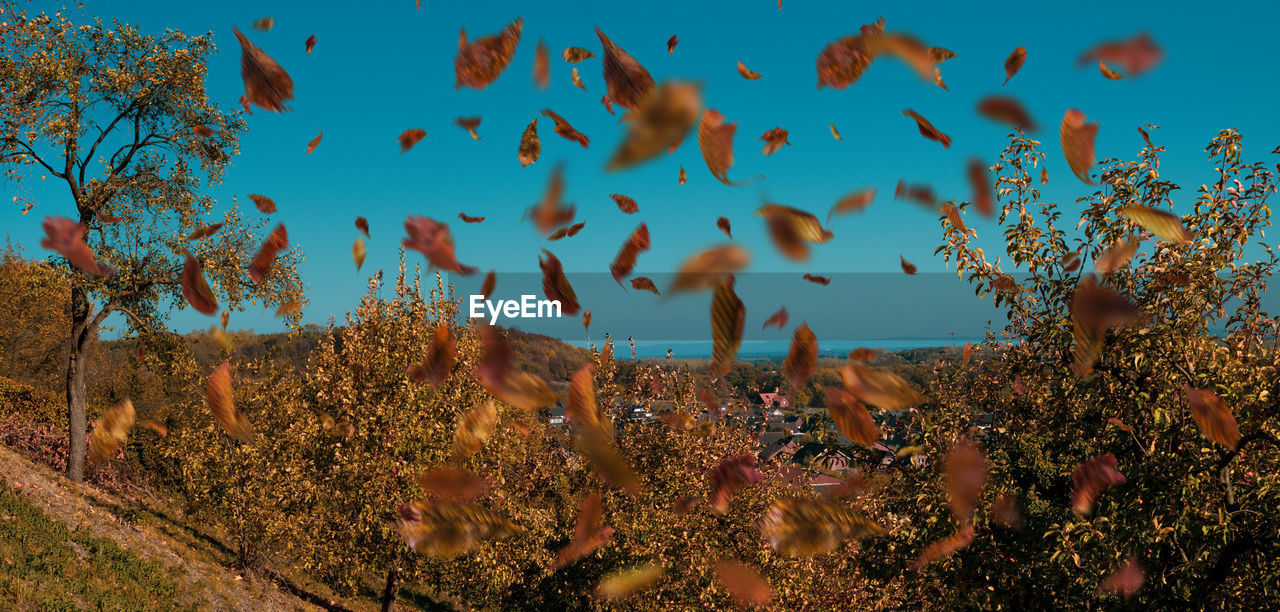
<point x="46" y="566"/>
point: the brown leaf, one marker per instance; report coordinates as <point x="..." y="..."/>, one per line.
<point x="583" y="412"/>
<point x="218" y="395"/>
<point x="265" y="82"/>
<point x="967" y="354"/>
<point x="573" y="55"/>
<point x="628" y="82"/>
<point x="927" y="130"/>
<point x="853" y="202"/>
<point x="202" y="131"/>
<point x="277" y="241"/>
<point x="1124" y="581"/>
<point x="586" y="319"/>
<point x="469" y="219"/>
<point x="919" y="193"/>
<point x="111" y="431"/>
<point x="663" y="117"/>
<point x="945" y="547"/>
<point x="555" y="286"/>
<point x="850" y="417"/>
<point x="609" y="463"/>
<point x="807" y="526"/>
<point x="358" y="252"/>
<point x="953" y="215"/>
<point x="966" y="472"/>
<point x="410" y="137"/>
<point x="644" y="283"/>
<point x="1014" y="63"/>
<point x="530" y="145"/>
<point x="842" y="62"/>
<point x="447" y="529"/>
<point x="835" y="133"/>
<point x="862" y="354"/>
<point x="433" y="240"/>
<point x="362" y="224"/>
<point x="778" y="319"/>
<point x="541" y="65"/>
<point x="821" y="280"/>
<point x="265" y="24"/>
<point x="441" y="355"/>
<point x="1092" y="478"/>
<point x="882" y="389"/>
<point x="66" y="237"/>
<point x="1077" y="143"/>
<point x="311" y="43"/>
<point x="681" y="177"/>
<point x="749" y="75"/>
<point x="1117" y="256"/>
<point x="623" y="263"/>
<point x="671" y="44"/>
<point x="588" y="535"/>
<point x="802" y="357"/>
<point x="623" y="583"/>
<point x="728" y="319"/>
<point x="984" y="198"/>
<point x="732" y="474"/>
<point x="160" y="428"/>
<point x="774" y="139"/>
<point x="520" y="389"/>
<point x="707" y="268"/>
<point x="200" y="233"/>
<point x="1167" y="226"/>
<point x="1135" y="56"/>
<point x="625" y="204"/>
<point x="479" y="63"/>
<point x="1095" y="309"/>
<point x="576" y="79"/>
<point x="1044" y="176"/>
<point x="470" y="124"/>
<point x="1212" y="416"/>
<point x="1006" y="110"/>
<point x="565" y="130"/>
<point x="194" y="287"/>
<point x="792" y="229"/>
<point x="715" y="140"/>
<point x="744" y="584"/>
<point x="315" y="142"/>
<point x="490" y="281"/>
<point x="264" y="204"/>
<point x="1108" y="72"/>
<point x="552" y="212"/>
<point x="1005" y="512"/>
<point x="447" y="482"/>
<point x="291" y="308"/>
<point x="723" y="224"/>
<point x="473" y="429"/>
<point x="226" y="318"/>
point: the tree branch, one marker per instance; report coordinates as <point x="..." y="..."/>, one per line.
<point x="1261" y="434"/>
<point x="110" y="126"/>
<point x="32" y="153"/>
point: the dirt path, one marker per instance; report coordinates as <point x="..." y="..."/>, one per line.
<point x="208" y="585"/>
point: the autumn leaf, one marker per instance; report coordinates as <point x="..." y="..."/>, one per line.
<point x="792" y="229"/>
<point x="707" y="268"/>
<point x="490" y="281"/>
<point x="310" y="43"/>
<point x="530" y="146"/>
<point x="1091" y="479"/>
<point x="1116" y="256"/>
<point x="749" y="75"/>
<point x="1167" y="226"/>
<point x="715" y="140"/>
<point x="358" y="251"/>
<point x="723" y="224"/>
<point x="743" y="583"/>
<point x="853" y="202"/>
<point x="628" y="82"/>
<point x="664" y="117"/>
<point x="479" y="63"/>
<point x="851" y="417"/>
<point x="474" y="428"/>
<point x="1008" y="111"/>
<point x="862" y="354"/>
<point x="411" y="137"/>
<point x="469" y="219"/>
<point x="1212" y="417"/>
<point x="1124" y="581"/>
<point x="1095" y="309"/>
<point x="730" y="475"/>
<point x="265" y="23"/>
<point x="362" y="224"/>
<point x="801" y="358"/>
<point x="441" y="355"/>
<point x="1077" y="143"/>
<point x="1109" y="73"/>
<point x="774" y="139"/>
<point x="623" y="583"/>
<point x="522" y="390"/>
<point x="226" y="318"/>
<point x="821" y="280"/>
<point x="966" y="471"/>
<point x="1135" y="56"/>
<point x="807" y="526"/>
<point x="1014" y="63"/>
<point x="983" y="195"/>
<point x="433" y="240"/>
<point x="448" y="482"/>
<point x="907" y="267"/>
<point x="574" y="55"/>
<point x="778" y="319"/>
<point x="554" y="284"/>
<point x="625" y="204"/>
<point x="588" y="535"/>
<point x="66" y="237"/>
<point x="882" y="389"/>
<point x="111" y="431"/>
<point x="264" y="204"/>
<point x="446" y="529"/>
<point x="576" y="79"/>
<point x="728" y="318"/>
<point x="315" y="142"/>
<point x="194" y="287"/>
<point x="470" y="124"/>
<point x="681" y="177"/>
<point x="541" y="65"/>
<point x="671" y="44"/>
<point x="265" y="82"/>
<point x="637" y="243"/>
<point x="552" y="212"/>
<point x="644" y="283"/>
<point x="945" y="547"/>
<point x="927" y="130"/>
<point x="835" y="133"/>
<point x="277" y="241"/>
<point x="218" y="395"/>
<point x="565" y="130"/>
<point x="609" y="463"/>
<point x="202" y="232"/>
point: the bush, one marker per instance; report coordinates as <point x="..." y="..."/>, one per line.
<point x="32" y="404"/>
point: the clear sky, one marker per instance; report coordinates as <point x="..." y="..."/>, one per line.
<point x="382" y="67"/>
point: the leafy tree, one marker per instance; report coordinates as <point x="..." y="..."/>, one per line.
<point x="124" y="120"/>
<point x="33" y="317"/>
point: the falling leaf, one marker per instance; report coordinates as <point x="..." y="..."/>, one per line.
<point x="408" y="138"/>
<point x="541" y="66"/>
<point x="663" y="117"/>
<point x="644" y="283"/>
<point x="218" y="395"/>
<point x="728" y="319"/>
<point x="882" y="389"/>
<point x="1212" y="416"/>
<point x="980" y="181"/>
<point x="945" y="547"/>
<point x="66" y="237"/>
<point x="1095" y="309"/>
<point x="609" y="463"/>
<point x="202" y="131"/>
<point x="588" y="535"/>
<point x="744" y="584"/>
<point x="637" y="243"/>
<point x="160" y="428"/>
<point x="774" y="139"/>
<point x="1167" y="226"/>
<point x="1124" y="581"/>
<point x="447" y="482"/>
<point x="441" y="355"/>
<point x="623" y="583"/>
<point x="496" y="373"/>
<point x="671" y="44"/>
<point x="315" y="142"/>
<point x="586" y="320"/>
<point x="194" y="287"/>
<point x="625" y="204"/>
<point x="707" y="268"/>
<point x="907" y="266"/>
<point x="967" y="354"/>
<point x="530" y="146"/>
<point x="358" y="252"/>
<point x="479" y="63"/>
<point x="362" y="224"/>
<point x="1092" y="478"/>
<point x="966" y="472"/>
<point x="446" y="529"/>
<point x="226" y="318"/>
<point x="552" y="212"/>
<point x="1117" y="256"/>
<point x="490" y="281"/>
<point x="715" y="140"/>
<point x="1077" y="143"/>
<point x="291" y="308"/>
<point x="853" y="202"/>
<point x="277" y="241"/>
<point x="555" y="286"/>
<point x="821" y="280"/>
<point x="851" y="417"/>
<point x="1044" y="176"/>
<point x="732" y="474"/>
<point x="681" y="177"/>
<point x="577" y="79"/>
<point x="927" y="130"/>
<point x="1005" y="512"/>
<point x="807" y="526"/>
<point x="433" y="240"/>
<point x="265" y="24"/>
<point x="1014" y="63"/>
<point x="565" y="130"/>
<point x="469" y="219"/>
<point x="1008" y="111"/>
<point x="311" y="43"/>
<point x="474" y="429"/>
<point x="835" y="133"/>
<point x="264" y="204"/>
<point x="573" y="55"/>
<point x="749" y="75"/>
<point x="608" y="104"/>
<point x="1109" y="73"/>
<point x="723" y="224"/>
<point x="801" y="358"/>
<point x="470" y="124"/>
<point x="862" y="354"/>
<point x="791" y="229"/>
<point x="111" y="431"/>
<point x="778" y="319"/>
<point x="842" y="62"/>
<point x="1135" y="56"/>
<point x="628" y="82"/>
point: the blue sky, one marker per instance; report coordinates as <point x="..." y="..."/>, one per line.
<point x="381" y="68"/>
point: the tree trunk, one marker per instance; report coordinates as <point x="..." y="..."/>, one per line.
<point x="393" y="585"/>
<point x="76" y="363"/>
